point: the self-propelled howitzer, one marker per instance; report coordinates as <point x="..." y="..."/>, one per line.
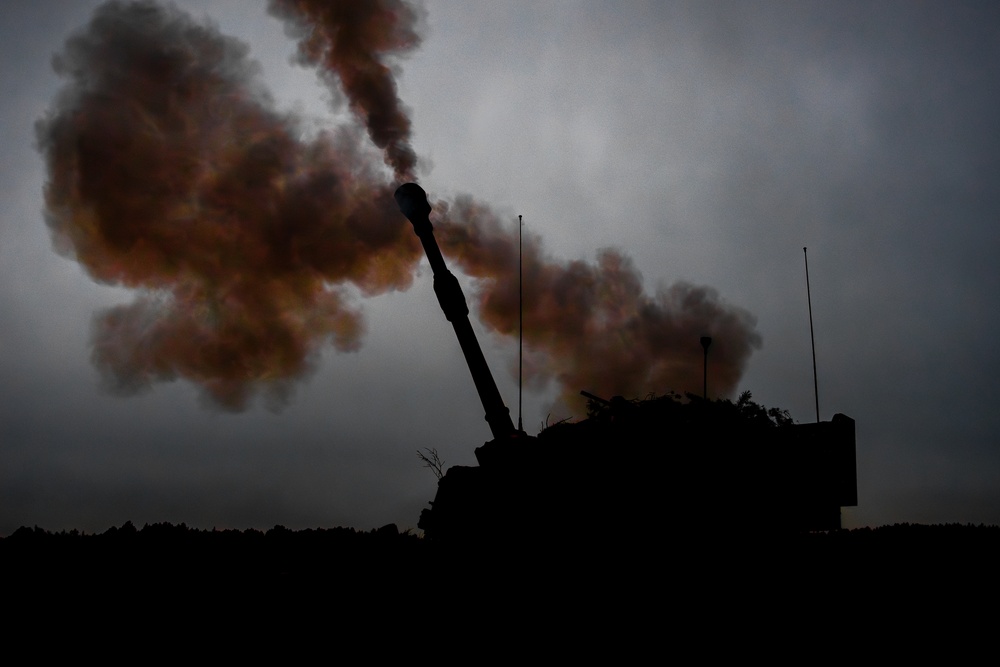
<point x="702" y="467"/>
<point x="412" y="201"/>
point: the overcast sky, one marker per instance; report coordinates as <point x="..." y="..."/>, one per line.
<point x="708" y="141"/>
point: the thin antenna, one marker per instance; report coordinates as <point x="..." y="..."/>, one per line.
<point x="705" y="342"/>
<point x="520" y="326"/>
<point x="811" y="335"/>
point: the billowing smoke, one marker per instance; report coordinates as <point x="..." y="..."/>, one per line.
<point x="347" y="40"/>
<point x="172" y="172"/>
<point x="592" y="326"/>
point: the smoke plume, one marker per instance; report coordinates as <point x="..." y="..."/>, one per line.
<point x="172" y="172"/>
<point x="345" y="40"/>
<point x="592" y="326"/>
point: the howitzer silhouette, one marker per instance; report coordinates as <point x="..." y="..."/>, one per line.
<point x="694" y="466"/>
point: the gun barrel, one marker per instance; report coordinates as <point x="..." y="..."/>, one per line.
<point x="412" y="201"/>
<point x="592" y="397"/>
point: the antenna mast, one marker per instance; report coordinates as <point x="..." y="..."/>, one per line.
<point x="520" y="326"/>
<point x="812" y="336"/>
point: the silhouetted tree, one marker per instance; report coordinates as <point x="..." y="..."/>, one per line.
<point x="432" y="460"/>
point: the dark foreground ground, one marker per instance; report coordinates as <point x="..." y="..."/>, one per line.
<point x="660" y="586"/>
<point x="935" y="553"/>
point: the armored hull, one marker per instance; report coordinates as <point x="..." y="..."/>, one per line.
<point x="655" y="465"/>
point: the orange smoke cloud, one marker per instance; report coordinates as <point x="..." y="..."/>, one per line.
<point x="348" y="40"/>
<point x="171" y="172"/>
<point x="592" y="326"/>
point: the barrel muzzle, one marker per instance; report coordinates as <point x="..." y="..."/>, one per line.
<point x="412" y="202"/>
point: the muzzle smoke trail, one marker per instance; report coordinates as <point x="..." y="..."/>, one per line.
<point x="593" y="325"/>
<point x="171" y="171"/>
<point x="346" y="41"/>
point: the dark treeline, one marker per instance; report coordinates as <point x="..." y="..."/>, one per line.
<point x="166" y="547"/>
<point x="607" y="586"/>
